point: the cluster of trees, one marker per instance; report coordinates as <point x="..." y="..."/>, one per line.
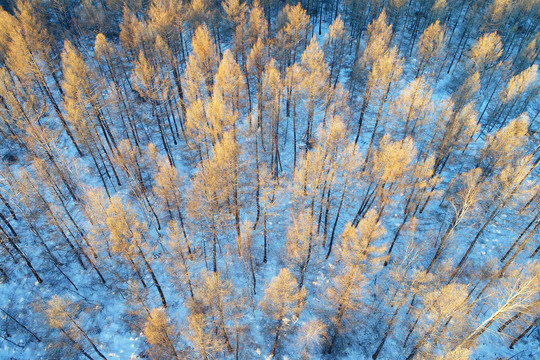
<point x="242" y="179"/>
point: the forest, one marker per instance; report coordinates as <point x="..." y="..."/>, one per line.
<point x="269" y="179"/>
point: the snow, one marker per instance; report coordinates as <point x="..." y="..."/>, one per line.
<point x="119" y="342"/>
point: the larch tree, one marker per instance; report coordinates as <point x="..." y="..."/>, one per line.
<point x="82" y="86"/>
<point x="43" y="143"/>
<point x="181" y="260"/>
<point x="149" y="83"/>
<point x="255" y="65"/>
<point x="312" y="335"/>
<point x="272" y="91"/>
<point x="200" y="333"/>
<point x="202" y="66"/>
<point x="237" y="14"/>
<point x="29" y="58"/>
<point x="484" y="56"/>
<point x="167" y="19"/>
<point x="135" y="36"/>
<point x="379" y="35"/>
<point x="301" y="247"/>
<point x="221" y="302"/>
<point x="111" y="64"/>
<point x="209" y="205"/>
<point x="418" y="187"/>
<point x="172" y="107"/>
<point x="411" y="109"/>
<point x="485" y="52"/>
<point x="62" y="214"/>
<point x="128" y="238"/>
<point x="280" y="303"/>
<point x="502" y="148"/>
<point x="168" y="186"/>
<point x="161" y="335"/>
<point x="453" y="135"/>
<point x="293" y="88"/>
<point x="230" y="84"/>
<point x="314" y="83"/>
<point x="509" y="185"/>
<point x="468" y="189"/>
<point x="442" y="312"/>
<point x="385" y="71"/>
<point x="292" y="36"/>
<point x="385" y="175"/>
<point x="247" y="257"/>
<point x="515" y="91"/>
<point x="357" y="254"/>
<point x="199" y="13"/>
<point x="85" y="111"/>
<point x="383" y="66"/>
<point x="429" y="49"/>
<point x="67" y="316"/>
<point x="402" y="281"/>
<point x="335" y="45"/>
<point x="257" y="28"/>
<point x="132" y="165"/>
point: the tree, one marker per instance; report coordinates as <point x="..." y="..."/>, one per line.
<point x="502" y="148"/>
<point x="457" y="132"/>
<point x="518" y="291"/>
<point x="237" y="14"/>
<point x="161" y="335"/>
<point x="429" y="48"/>
<point x="168" y="186"/>
<point x="293" y="24"/>
<point x="132" y="164"/>
<point x="135" y="36"/>
<point x="485" y="52"/>
<point x="149" y="83"/>
<point x="81" y="86"/>
<point x="209" y="203"/>
<point x="416" y="189"/>
<point x="201" y="67"/>
<point x="230" y="84"/>
<point x="293" y="87"/>
<point x="63" y="314"/>
<point x="167" y="19"/>
<point x="255" y="65"/>
<point x="312" y="334"/>
<point x="257" y="28"/>
<point x="335" y="44"/>
<point x="300" y="244"/>
<point x="357" y="255"/>
<point x="403" y="280"/>
<point x="378" y="41"/>
<point x="514" y="92"/>
<point x="186" y="256"/>
<point x="508" y="185"/>
<point x="200" y="333"/>
<point x="384" y="72"/>
<point x="29" y="58"/>
<point x="220" y="302"/>
<point x="468" y="190"/>
<point x="127" y="238"/>
<point x="440" y="309"/>
<point x="272" y="94"/>
<point x="385" y="174"/>
<point x="314" y="82"/>
<point x="384" y="67"/>
<point x="281" y="299"/>
<point x="411" y="109"/>
<point x="110" y="62"/>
